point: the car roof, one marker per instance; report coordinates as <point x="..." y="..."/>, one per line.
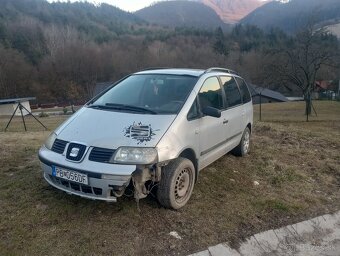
<point x="173" y="71"/>
<point x="186" y="71"/>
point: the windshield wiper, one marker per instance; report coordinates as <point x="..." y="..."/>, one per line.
<point x="130" y="108"/>
<point x="97" y="106"/>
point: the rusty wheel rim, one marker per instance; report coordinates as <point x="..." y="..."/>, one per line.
<point x="183" y="185"/>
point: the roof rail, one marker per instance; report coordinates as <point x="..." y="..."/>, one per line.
<point x="224" y="70"/>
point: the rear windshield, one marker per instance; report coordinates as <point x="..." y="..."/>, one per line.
<point x="151" y="94"/>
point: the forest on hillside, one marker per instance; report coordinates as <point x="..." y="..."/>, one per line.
<point x="58" y="52"/>
<point x="291" y="16"/>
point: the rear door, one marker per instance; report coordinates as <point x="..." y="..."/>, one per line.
<point x="247" y="103"/>
<point x="233" y="115"/>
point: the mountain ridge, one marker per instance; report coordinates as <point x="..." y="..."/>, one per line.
<point x="181" y="14"/>
<point x="293" y="15"/>
<point x="231" y="11"/>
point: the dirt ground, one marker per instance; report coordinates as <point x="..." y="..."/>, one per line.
<point x="292" y="173"/>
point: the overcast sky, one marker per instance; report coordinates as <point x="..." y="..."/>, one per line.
<point x="127" y="5"/>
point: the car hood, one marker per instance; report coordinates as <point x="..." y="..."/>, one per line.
<point x="110" y="129"/>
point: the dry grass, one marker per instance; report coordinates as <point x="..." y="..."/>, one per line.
<point x="17" y="125"/>
<point x="296" y="164"/>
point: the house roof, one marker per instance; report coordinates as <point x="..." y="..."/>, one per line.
<point x="257" y="90"/>
<point x="323" y="84"/>
<point x="16" y="100"/>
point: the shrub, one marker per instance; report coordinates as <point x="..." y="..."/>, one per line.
<point x="43" y="114"/>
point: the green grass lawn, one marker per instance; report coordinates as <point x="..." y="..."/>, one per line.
<point x="296" y="164"/>
<point x="295" y="111"/>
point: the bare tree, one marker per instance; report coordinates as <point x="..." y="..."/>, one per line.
<point x="298" y="61"/>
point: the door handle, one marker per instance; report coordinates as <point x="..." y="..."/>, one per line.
<point x="225" y="121"/>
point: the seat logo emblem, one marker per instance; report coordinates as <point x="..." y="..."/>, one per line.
<point x="74" y="152"/>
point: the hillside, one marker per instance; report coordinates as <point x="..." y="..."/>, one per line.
<point x="231" y="11"/>
<point x="291" y="16"/>
<point x="181" y="14"/>
<point x="103" y="21"/>
<point x="58" y="52"/>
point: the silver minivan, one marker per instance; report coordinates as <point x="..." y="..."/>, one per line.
<point x="155" y="127"/>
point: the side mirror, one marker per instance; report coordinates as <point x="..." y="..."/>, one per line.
<point x="210" y="111"/>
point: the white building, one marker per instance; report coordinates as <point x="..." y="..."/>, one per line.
<point x="8" y="106"/>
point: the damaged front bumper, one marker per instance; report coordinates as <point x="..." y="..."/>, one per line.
<point x="105" y="181"/>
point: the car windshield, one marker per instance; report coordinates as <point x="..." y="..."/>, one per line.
<point x="149" y="94"/>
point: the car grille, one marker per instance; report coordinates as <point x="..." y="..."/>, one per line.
<point x="102" y="155"/>
<point x="75" y="152"/>
<point x="59" y="146"/>
<point x="77" y="187"/>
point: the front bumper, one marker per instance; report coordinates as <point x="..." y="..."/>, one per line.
<point x="97" y="188"/>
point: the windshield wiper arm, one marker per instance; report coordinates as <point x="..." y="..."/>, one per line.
<point x="130" y="107"/>
<point x="97" y="106"/>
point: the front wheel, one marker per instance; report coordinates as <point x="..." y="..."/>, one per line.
<point x="243" y="148"/>
<point x="176" y="184"/>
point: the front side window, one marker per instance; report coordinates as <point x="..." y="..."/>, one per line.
<point x="244" y="90"/>
<point x="210" y="94"/>
<point x="231" y="90"/>
<point x="154" y="94"/>
<point x="193" y="112"/>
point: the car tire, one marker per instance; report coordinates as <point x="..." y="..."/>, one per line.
<point x="176" y="184"/>
<point x="243" y="148"/>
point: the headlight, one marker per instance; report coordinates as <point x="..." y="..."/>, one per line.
<point x="50" y="140"/>
<point x="131" y="155"/>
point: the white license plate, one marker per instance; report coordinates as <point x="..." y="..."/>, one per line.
<point x="69" y="175"/>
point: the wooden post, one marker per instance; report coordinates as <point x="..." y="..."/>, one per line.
<point x="261" y="106"/>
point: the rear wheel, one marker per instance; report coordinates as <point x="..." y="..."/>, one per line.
<point x="243" y="148"/>
<point x="176" y="184"/>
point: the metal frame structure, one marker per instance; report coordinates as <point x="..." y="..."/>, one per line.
<point x="20" y="107"/>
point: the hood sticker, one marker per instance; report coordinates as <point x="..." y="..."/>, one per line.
<point x="140" y="132"/>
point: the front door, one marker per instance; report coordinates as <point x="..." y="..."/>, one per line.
<point x="211" y="129"/>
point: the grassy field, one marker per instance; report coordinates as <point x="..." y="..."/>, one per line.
<point x="296" y="164"/>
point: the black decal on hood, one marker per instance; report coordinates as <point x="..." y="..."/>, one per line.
<point x="140" y="132"/>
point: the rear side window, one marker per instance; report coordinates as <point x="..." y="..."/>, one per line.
<point x="244" y="90"/>
<point x="210" y="94"/>
<point x="232" y="92"/>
